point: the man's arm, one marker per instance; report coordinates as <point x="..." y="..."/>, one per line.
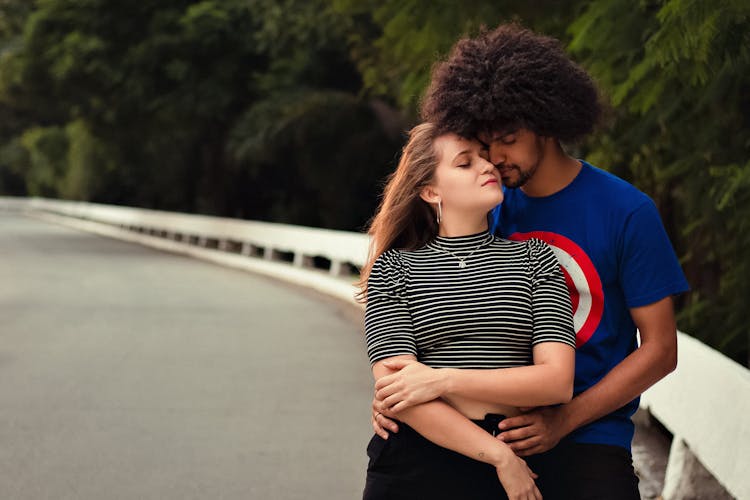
<point x="542" y="429"/>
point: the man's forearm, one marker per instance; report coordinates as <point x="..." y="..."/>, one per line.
<point x="626" y="381"/>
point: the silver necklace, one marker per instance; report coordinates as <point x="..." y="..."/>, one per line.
<point x="462" y="260"/>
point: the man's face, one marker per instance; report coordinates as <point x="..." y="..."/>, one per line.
<point x="516" y="154"/>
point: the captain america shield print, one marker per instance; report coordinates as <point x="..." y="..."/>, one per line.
<point x="584" y="284"/>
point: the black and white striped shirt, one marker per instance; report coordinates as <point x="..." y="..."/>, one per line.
<point x="510" y="296"/>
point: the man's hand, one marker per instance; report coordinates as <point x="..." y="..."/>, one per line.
<point x="412" y="384"/>
<point x="380" y="423"/>
<point x="533" y="432"/>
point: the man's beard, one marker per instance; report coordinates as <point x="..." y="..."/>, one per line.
<point x="523" y="176"/>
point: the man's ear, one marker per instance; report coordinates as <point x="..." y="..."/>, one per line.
<point x="429" y="195"/>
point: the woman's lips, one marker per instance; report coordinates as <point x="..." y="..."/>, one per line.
<point x="490" y="181"/>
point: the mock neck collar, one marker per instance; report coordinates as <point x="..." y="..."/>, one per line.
<point x="468" y="242"/>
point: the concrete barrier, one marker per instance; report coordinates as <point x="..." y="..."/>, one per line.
<point x="704" y="403"/>
<point x="323" y="259"/>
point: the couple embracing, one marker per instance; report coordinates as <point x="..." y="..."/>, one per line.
<point x="505" y="284"/>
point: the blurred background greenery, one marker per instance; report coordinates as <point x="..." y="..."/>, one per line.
<point x="294" y="111"/>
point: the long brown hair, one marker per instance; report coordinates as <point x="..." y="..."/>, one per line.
<point x="403" y="219"/>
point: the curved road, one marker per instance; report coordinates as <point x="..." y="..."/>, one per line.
<point x="126" y="373"/>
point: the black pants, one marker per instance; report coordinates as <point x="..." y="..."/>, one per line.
<point x="408" y="466"/>
<point x="581" y="471"/>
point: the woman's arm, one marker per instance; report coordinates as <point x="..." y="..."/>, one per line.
<point x="548" y="381"/>
<point x="445" y="426"/>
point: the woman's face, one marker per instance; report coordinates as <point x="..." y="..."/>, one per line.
<point x="465" y="180"/>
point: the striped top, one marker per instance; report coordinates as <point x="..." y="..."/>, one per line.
<point x="509" y="296"/>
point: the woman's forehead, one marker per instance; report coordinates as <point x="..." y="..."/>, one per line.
<point x="451" y="144"/>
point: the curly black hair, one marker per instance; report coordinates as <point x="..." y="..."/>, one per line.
<point x="510" y="78"/>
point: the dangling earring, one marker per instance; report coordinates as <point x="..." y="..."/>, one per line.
<point x="440" y="212"/>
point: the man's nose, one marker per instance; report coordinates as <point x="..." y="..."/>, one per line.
<point x="497" y="155"/>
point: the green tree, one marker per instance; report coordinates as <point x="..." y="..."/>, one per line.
<point x="678" y="73"/>
<point x="310" y="151"/>
<point x="14" y="159"/>
<point x="158" y="82"/>
<point x="47" y="148"/>
<point x="399" y="40"/>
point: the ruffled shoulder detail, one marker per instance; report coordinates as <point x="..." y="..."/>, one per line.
<point x="542" y="260"/>
<point x="388" y="275"/>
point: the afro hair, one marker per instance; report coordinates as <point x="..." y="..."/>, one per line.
<point x="511" y="78"/>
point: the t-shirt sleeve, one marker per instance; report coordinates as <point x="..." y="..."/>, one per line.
<point x="550" y="299"/>
<point x="648" y="267"/>
<point x="388" y="325"/>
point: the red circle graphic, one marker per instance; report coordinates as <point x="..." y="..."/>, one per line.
<point x="584" y="284"/>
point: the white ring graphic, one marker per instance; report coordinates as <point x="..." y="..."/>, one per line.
<point x="581" y="283"/>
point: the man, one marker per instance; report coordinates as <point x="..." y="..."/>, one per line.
<point x="519" y="94"/>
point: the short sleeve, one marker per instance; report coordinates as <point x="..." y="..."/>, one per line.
<point x="388" y="325"/>
<point x="550" y="299"/>
<point x="648" y="267"/>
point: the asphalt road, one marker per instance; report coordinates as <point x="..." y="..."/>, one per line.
<point x="127" y="373"/>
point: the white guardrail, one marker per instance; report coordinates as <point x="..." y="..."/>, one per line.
<point x="322" y="259"/>
<point x="705" y="403"/>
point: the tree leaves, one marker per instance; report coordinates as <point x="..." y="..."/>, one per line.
<point x="291" y="110"/>
<point x="679" y="72"/>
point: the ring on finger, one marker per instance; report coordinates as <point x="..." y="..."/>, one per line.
<point x="377" y="415"/>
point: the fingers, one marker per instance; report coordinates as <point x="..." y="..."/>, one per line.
<point x="401" y="405"/>
<point x="525" y="444"/>
<point x="532" y="473"/>
<point x="527" y="492"/>
<point x="379" y="430"/>
<point x="537" y="494"/>
<point x="517" y="434"/>
<point x="397" y="364"/>
<point x="385" y="424"/>
<point x="396" y="402"/>
<point x="390" y="402"/>
<point x="534" y="493"/>
<point x="517" y="421"/>
<point x="390" y="390"/>
<point x="385" y="381"/>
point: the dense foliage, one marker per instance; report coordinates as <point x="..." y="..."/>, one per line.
<point x="294" y="110"/>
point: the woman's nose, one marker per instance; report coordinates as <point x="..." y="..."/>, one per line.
<point x="486" y="166"/>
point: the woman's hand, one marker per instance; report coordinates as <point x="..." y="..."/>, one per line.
<point x="517" y="479"/>
<point x="412" y="384"/>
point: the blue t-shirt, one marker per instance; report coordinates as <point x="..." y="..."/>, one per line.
<point x="615" y="255"/>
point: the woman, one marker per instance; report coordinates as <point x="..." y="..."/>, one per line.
<point x="442" y="291"/>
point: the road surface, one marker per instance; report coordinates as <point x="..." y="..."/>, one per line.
<point x="128" y="373"/>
